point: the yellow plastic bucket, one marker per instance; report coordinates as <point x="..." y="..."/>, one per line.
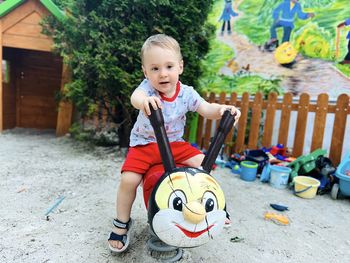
<point x="305" y="186"/>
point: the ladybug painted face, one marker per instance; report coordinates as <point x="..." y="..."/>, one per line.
<point x="190" y="208"/>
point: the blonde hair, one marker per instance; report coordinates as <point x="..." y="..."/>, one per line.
<point x="163" y="41"/>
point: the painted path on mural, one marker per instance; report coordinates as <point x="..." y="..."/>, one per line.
<point x="312" y="76"/>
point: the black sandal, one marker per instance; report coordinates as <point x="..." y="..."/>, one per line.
<point x="227" y="220"/>
<point x="124" y="239"/>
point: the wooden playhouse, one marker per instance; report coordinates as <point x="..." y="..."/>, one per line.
<point x="31" y="74"/>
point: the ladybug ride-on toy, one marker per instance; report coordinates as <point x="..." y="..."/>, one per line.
<point x="186" y="205"/>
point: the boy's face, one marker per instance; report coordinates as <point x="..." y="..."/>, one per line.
<point x="162" y="68"/>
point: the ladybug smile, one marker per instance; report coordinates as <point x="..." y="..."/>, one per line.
<point x="188" y="209"/>
<point x="194" y="234"/>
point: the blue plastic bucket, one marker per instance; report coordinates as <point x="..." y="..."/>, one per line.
<point x="248" y="170"/>
<point x="279" y="176"/>
<point x="344" y="179"/>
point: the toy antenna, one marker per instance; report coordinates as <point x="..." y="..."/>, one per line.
<point x="157" y="122"/>
<point x="225" y="126"/>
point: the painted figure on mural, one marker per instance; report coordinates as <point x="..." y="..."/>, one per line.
<point x="226" y="16"/>
<point x="347" y="56"/>
<point x="283" y="16"/>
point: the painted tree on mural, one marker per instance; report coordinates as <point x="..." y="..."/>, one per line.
<point x="101" y="40"/>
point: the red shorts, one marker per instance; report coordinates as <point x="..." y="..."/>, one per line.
<point x="140" y="158"/>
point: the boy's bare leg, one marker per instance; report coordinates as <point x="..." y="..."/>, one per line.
<point x="194" y="161"/>
<point x="125" y="198"/>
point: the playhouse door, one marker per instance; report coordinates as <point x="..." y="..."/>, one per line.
<point x="38" y="81"/>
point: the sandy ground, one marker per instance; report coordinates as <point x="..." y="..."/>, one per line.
<point x="38" y="168"/>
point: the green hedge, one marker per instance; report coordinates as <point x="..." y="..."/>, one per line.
<point x="101" y="41"/>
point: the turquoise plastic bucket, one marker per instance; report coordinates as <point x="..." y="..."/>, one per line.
<point x="247" y="170"/>
<point x="344" y="179"/>
<point x="279" y="176"/>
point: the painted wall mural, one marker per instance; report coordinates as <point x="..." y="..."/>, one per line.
<point x="284" y="45"/>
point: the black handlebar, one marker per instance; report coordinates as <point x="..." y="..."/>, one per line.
<point x="225" y="126"/>
<point x="157" y="122"/>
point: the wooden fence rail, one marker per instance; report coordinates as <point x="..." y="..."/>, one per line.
<point x="258" y="122"/>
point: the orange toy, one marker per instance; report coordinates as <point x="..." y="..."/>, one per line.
<point x="277" y="218"/>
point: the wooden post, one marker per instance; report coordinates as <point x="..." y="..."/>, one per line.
<point x="242" y="124"/>
<point x="222" y="100"/>
<point x="299" y="137"/>
<point x="269" y="120"/>
<point x="285" y="118"/>
<point x="341" y="114"/>
<point x="320" y="122"/>
<point x="255" y="121"/>
<point x="232" y="101"/>
<point x="208" y="124"/>
<point x="65" y="109"/>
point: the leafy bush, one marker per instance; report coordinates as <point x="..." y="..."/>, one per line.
<point x="101" y="41"/>
<point x="313" y="42"/>
<point x="317" y="3"/>
<point x="345" y="69"/>
<point x="106" y="137"/>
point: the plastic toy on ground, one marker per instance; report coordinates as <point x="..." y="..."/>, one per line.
<point x="342" y="173"/>
<point x="279" y="207"/>
<point x="220" y="162"/>
<point x="279" y="176"/>
<point x="278" y="151"/>
<point x="257" y="156"/>
<point x="315" y="165"/>
<point x="277" y="218"/>
<point x="247" y="170"/>
<point x="305" y="186"/>
<point x="325" y="173"/>
<point x="305" y="163"/>
<point x="265" y="174"/>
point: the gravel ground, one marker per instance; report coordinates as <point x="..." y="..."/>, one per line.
<point x="36" y="169"/>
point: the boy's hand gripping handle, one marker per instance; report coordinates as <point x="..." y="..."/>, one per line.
<point x="157" y="122"/>
<point x="225" y="126"/>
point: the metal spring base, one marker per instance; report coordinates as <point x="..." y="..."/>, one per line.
<point x="162" y="251"/>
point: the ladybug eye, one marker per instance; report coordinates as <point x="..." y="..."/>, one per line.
<point x="209" y="202"/>
<point x="176" y="200"/>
